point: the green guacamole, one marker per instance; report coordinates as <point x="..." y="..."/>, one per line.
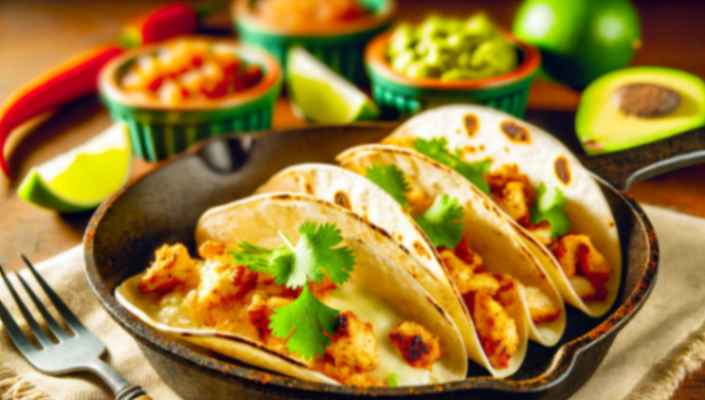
<point x="451" y="49"/>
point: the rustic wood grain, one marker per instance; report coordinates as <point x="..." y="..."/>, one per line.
<point x="34" y="35"/>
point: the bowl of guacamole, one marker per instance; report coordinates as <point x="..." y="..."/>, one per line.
<point x="447" y="60"/>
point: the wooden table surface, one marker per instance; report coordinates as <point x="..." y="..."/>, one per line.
<point x="34" y="35"/>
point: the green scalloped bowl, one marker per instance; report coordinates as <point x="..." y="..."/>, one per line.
<point x="158" y="131"/>
<point x="342" y="50"/>
<point x="400" y="95"/>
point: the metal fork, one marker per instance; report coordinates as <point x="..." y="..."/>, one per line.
<point x="64" y="350"/>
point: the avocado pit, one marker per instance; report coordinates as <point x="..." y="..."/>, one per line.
<point x="647" y="100"/>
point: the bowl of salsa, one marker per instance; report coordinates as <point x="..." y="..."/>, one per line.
<point x="173" y="94"/>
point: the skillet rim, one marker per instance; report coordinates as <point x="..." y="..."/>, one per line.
<point x="560" y="368"/>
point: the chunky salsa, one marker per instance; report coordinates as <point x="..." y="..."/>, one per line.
<point x="188" y="70"/>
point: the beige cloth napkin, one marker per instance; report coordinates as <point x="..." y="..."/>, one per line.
<point x="648" y="360"/>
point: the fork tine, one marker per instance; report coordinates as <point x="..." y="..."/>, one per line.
<point x="54" y="326"/>
<point x="63" y="309"/>
<point x="33" y="325"/>
<point x="14" y="331"/>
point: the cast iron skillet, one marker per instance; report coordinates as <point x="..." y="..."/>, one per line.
<point x="164" y="205"/>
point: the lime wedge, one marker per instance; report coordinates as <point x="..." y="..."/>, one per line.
<point x="323" y="96"/>
<point x="83" y="177"/>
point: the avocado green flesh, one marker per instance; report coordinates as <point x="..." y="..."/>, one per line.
<point x="603" y="127"/>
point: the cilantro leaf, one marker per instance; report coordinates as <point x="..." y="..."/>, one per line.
<point x="550" y="207"/>
<point x="393" y="380"/>
<point x="391" y="179"/>
<point x="437" y="149"/>
<point x="306" y="324"/>
<point x="316" y="253"/>
<point x="277" y="262"/>
<point x="313" y="257"/>
<point x="475" y="173"/>
<point x="443" y="221"/>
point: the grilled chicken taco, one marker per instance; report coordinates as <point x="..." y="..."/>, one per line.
<point x="560" y="210"/>
<point x="300" y="286"/>
<point x="503" y="332"/>
<point x="470" y="233"/>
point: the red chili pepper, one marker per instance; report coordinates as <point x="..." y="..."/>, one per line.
<point x="69" y="81"/>
<point x="163" y="23"/>
<point x="78" y="76"/>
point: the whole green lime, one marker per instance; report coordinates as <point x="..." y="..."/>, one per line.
<point x="579" y="39"/>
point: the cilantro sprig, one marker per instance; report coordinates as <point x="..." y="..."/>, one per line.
<point x="443" y="221"/>
<point x="437" y="149"/>
<point x="391" y="179"/>
<point x="306" y="323"/>
<point x="550" y="207"/>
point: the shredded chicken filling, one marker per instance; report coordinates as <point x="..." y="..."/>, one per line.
<point x="488" y="297"/>
<point x="218" y="294"/>
<point x="484" y="293"/>
<point x="584" y="265"/>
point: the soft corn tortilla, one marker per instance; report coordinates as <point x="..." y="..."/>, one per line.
<point x="370" y="202"/>
<point x="492" y="235"/>
<point x="379" y="289"/>
<point x="481" y="133"/>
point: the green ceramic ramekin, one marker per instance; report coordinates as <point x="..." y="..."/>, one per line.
<point x="341" y="47"/>
<point x="158" y="131"/>
<point x="400" y="95"/>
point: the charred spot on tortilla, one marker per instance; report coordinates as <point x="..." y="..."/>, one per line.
<point x="471" y="124"/>
<point x="515" y="132"/>
<point x="420" y="249"/>
<point x="342" y="199"/>
<point x="308" y="187"/>
<point x="562" y="169"/>
<point x="398" y="237"/>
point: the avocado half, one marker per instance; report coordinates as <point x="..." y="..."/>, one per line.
<point x="638" y="105"/>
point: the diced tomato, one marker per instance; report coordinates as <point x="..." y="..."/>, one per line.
<point x="249" y="77"/>
<point x="216" y="91"/>
<point x="245" y="280"/>
<point x="231" y="68"/>
<point x="154" y="84"/>
<point x="197" y="61"/>
<point x="291" y="293"/>
<point x="469" y="299"/>
<point x="462" y="251"/>
<point x="259" y="317"/>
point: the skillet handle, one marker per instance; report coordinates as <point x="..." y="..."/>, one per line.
<point x="624" y="168"/>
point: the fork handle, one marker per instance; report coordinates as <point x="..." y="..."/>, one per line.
<point x="122" y="389"/>
<point x="132" y="392"/>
